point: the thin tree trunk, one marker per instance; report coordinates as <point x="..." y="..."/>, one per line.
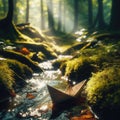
<point x="90" y="13"/>
<point x="42" y="15"/>
<point x="50" y="15"/>
<point x="76" y="14"/>
<point x="16" y="12"/>
<point x="101" y="22"/>
<point x="27" y="11"/>
<point x="60" y="15"/>
<point x="64" y="14"/>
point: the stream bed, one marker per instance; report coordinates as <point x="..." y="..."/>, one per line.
<point x="33" y="102"/>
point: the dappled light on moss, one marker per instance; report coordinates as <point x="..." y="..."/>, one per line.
<point x="78" y="69"/>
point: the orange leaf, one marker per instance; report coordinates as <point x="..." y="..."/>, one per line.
<point x="30" y="96"/>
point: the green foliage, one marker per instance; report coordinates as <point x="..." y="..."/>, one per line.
<point x="103" y="88"/>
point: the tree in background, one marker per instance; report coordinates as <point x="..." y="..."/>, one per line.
<point x="115" y="15"/>
<point x="27" y="11"/>
<point x="16" y="12"/>
<point x="101" y="22"/>
<point x="42" y="15"/>
<point x="50" y="15"/>
<point x="64" y="14"/>
<point x="76" y="14"/>
<point x="90" y="14"/>
<point x="60" y="15"/>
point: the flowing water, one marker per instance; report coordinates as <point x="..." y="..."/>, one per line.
<point x="33" y="102"/>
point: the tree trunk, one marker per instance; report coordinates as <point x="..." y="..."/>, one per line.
<point x="50" y="15"/>
<point x="16" y="12"/>
<point x="6" y="22"/>
<point x="64" y="14"/>
<point x="101" y="22"/>
<point x="60" y="16"/>
<point x="76" y="9"/>
<point x="42" y="15"/>
<point x="90" y="13"/>
<point x="115" y="15"/>
<point x="10" y="11"/>
<point x="27" y="11"/>
<point x="7" y="28"/>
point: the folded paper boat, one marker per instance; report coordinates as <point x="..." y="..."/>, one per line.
<point x="59" y="96"/>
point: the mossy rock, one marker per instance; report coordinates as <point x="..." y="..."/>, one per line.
<point x="6" y="81"/>
<point x="12" y="75"/>
<point x="6" y="76"/>
<point x="21" y="71"/>
<point x="72" y="49"/>
<point x="80" y="47"/>
<point x="103" y="93"/>
<point x="48" y="52"/>
<point x="30" y="31"/>
<point x="21" y="58"/>
<point x="78" y="69"/>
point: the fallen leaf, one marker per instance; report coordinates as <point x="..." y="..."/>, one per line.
<point x="30" y="96"/>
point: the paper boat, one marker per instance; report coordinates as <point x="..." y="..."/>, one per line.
<point x="59" y="96"/>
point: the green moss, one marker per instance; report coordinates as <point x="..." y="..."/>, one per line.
<point x="6" y="76"/>
<point x="20" y="70"/>
<point x="91" y="60"/>
<point x="15" y="71"/>
<point x="47" y="50"/>
<point x="103" y="89"/>
<point x="78" y="69"/>
<point x="21" y="58"/>
<point x="12" y="74"/>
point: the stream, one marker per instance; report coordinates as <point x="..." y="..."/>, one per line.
<point x="33" y="102"/>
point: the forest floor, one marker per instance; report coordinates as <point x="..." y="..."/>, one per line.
<point x="91" y="53"/>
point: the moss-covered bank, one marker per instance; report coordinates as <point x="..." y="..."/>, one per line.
<point x="21" y="58"/>
<point x="103" y="93"/>
<point x="12" y="75"/>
